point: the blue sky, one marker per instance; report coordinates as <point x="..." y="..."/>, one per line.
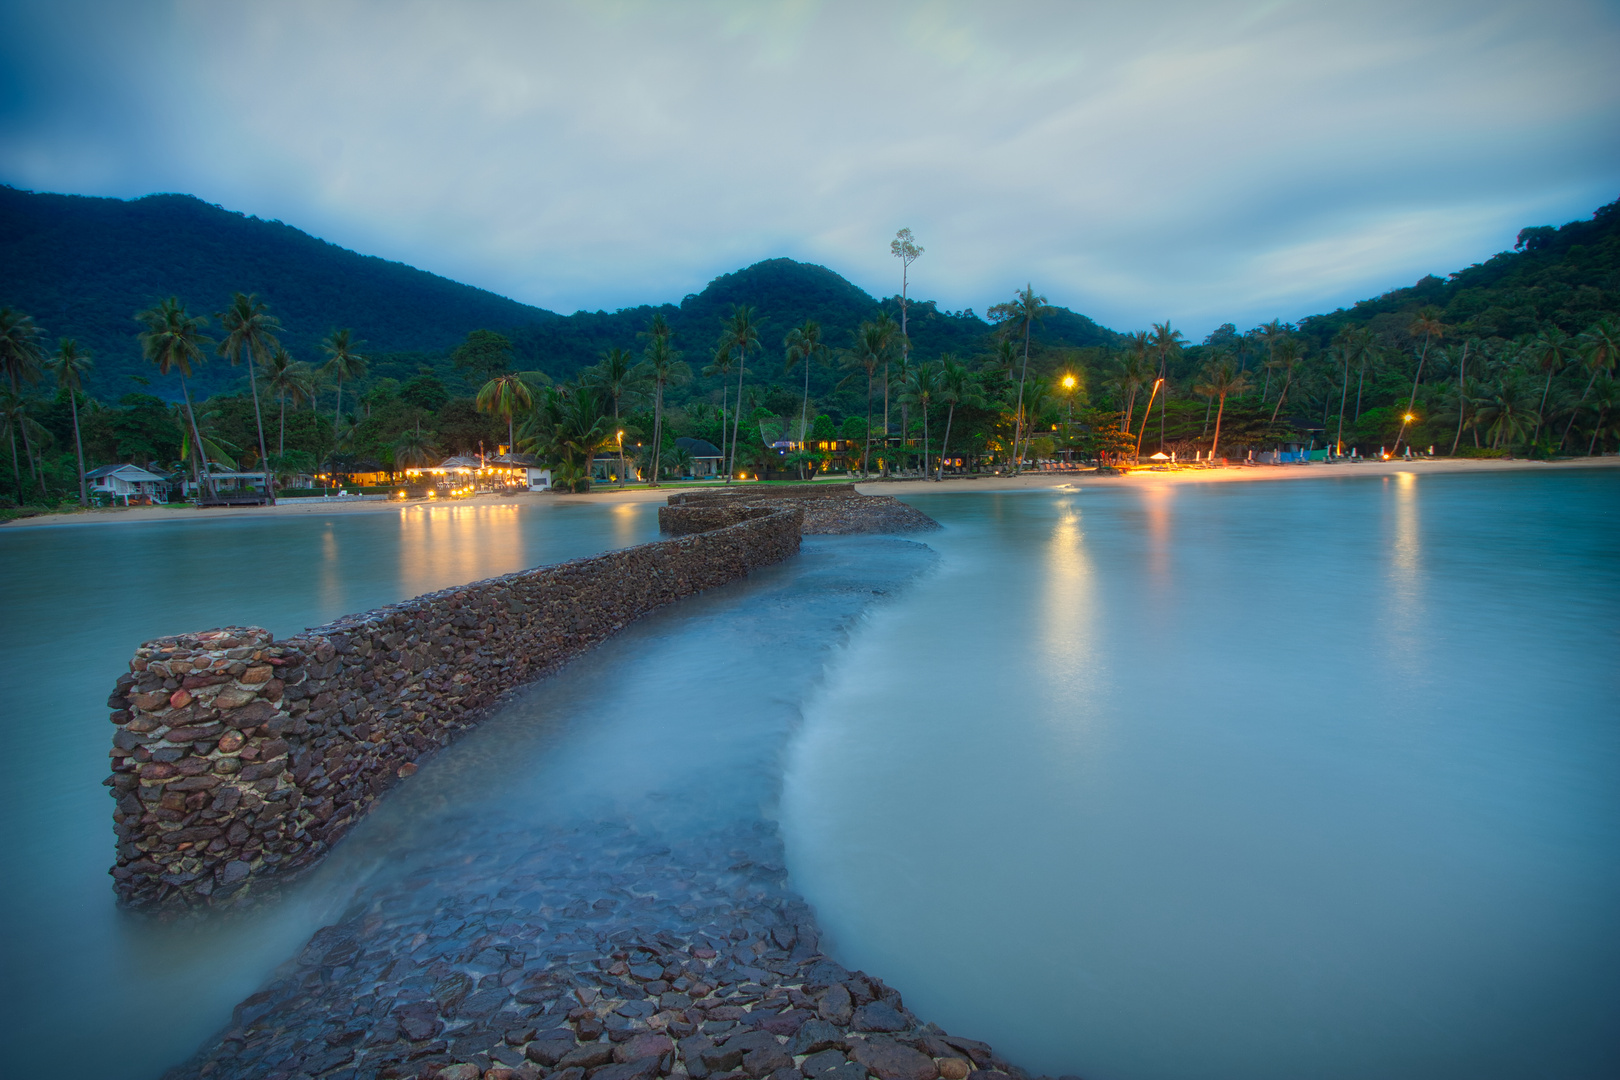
<point x="1201" y="162"/>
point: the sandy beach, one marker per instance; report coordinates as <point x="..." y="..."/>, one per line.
<point x="1027" y="481"/>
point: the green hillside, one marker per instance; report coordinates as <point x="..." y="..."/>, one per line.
<point x="83" y="266"/>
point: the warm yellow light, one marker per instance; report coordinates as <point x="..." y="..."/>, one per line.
<point x="1410" y="418"/>
<point x="1068" y="382"/>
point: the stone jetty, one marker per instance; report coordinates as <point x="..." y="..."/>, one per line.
<point x="829" y="509"/>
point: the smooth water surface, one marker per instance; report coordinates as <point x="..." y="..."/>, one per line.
<point x="1316" y="778"/>
<point x="75" y="601"/>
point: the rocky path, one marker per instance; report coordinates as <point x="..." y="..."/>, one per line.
<point x="612" y="904"/>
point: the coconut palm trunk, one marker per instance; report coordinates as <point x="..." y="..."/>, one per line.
<point x="736" y="421"/>
<point x="1462" y="398"/>
<point x="258" y="423"/>
<point x="207" y="480"/>
<point x="78" y="445"/>
<point x="945" y="443"/>
<point x="1215" y="446"/>
<point x="1344" y="395"/>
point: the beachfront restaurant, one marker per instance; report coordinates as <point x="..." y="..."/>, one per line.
<point x="131" y="483"/>
<point x="465" y="472"/>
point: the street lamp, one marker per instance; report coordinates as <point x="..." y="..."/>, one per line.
<point x="621" y="458"/>
<point x="1068" y="417"/>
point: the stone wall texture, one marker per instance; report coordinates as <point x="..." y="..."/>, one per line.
<point x="240" y="759"/>
<point x="829" y="509"/>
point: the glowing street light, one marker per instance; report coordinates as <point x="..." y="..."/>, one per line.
<point x="621" y="457"/>
<point x="1407" y="419"/>
<point x="1069" y="382"/>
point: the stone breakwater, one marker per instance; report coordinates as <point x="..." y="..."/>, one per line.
<point x="829" y="509"/>
<point x="240" y="759"/>
<point x="595" y="953"/>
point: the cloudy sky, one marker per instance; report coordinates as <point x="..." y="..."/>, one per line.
<point x="1202" y="162"/>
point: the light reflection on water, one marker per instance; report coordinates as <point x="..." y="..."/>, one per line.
<point x="75" y="600"/>
<point x="1275" y="780"/>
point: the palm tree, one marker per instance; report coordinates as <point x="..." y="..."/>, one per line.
<point x="1429" y="325"/>
<point x="174" y="340"/>
<point x="250" y="331"/>
<point x="903" y="247"/>
<point x="1271" y="334"/>
<point x="344" y="362"/>
<point x="740" y="333"/>
<point x="1224" y="379"/>
<point x="1133" y="375"/>
<point x="1462" y="393"/>
<point x="1359" y="345"/>
<point x="956" y="387"/>
<point x="804" y="346"/>
<point x="724" y="361"/>
<point x="1549" y="351"/>
<point x="617" y="375"/>
<point x="1605" y="402"/>
<point x="1020" y="316"/>
<point x="663" y="365"/>
<point x="1505" y="411"/>
<point x="1166" y="343"/>
<point x="504" y="395"/>
<point x="21" y="358"/>
<point x="1286" y="358"/>
<point x="289" y="378"/>
<point x="14" y="417"/>
<point x="921" y="386"/>
<point x="69" y="365"/>
<point x="412" y="448"/>
<point x="873" y="339"/>
<point x="570" y="427"/>
<point x="1600" y="348"/>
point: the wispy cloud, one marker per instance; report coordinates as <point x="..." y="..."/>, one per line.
<point x="1202" y="161"/>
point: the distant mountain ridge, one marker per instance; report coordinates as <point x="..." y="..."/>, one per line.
<point x="82" y="267"/>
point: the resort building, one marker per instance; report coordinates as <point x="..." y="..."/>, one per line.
<point x="131" y="483"/>
<point x="707" y="460"/>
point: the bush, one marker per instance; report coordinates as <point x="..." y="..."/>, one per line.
<point x="1480" y="452"/>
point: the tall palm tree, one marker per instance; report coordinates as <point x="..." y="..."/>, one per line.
<point x="344" y="362"/>
<point x="1341" y="352"/>
<point x="1600" y="348"/>
<point x="412" y="448"/>
<point x="873" y="339"/>
<point x="720" y="368"/>
<point x="1286" y="359"/>
<point x="617" y="375"/>
<point x="1133" y="375"/>
<point x="921" y="386"/>
<point x="503" y="396"/>
<point x="69" y="365"/>
<point x="956" y="387"/>
<point x="174" y="340"/>
<point x="905" y="248"/>
<point x="1359" y="343"/>
<point x="14" y="418"/>
<point x="1019" y="316"/>
<point x="1271" y="334"/>
<point x="21" y="359"/>
<point x="1166" y="342"/>
<point x="741" y="333"/>
<point x="664" y="367"/>
<point x="1462" y="393"/>
<point x="1224" y="379"/>
<point x="250" y="331"/>
<point x="292" y="379"/>
<point x="1549" y="351"/>
<point x="1427" y="322"/>
<point x="1605" y="403"/>
<point x="804" y="346"/>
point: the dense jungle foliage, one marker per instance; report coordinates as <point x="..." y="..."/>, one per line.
<point x="1511" y="356"/>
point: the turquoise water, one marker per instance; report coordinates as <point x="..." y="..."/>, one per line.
<point x="77" y="599"/>
<point x="1280" y="780"/>
<point x="1319" y="778"/>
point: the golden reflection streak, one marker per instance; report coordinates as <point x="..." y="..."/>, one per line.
<point x="441" y="546"/>
<point x="1067" y="614"/>
<point x="331" y="583"/>
<point x="1406" y="572"/>
<point x="623" y="521"/>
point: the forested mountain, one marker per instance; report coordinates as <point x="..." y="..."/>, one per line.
<point x="83" y="266"/>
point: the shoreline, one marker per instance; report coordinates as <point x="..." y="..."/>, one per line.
<point x="1027" y="481"/>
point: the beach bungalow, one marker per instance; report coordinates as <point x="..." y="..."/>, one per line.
<point x="131" y="483"/>
<point x="707" y="460"/>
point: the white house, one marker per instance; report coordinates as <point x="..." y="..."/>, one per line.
<point x="128" y="482"/>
